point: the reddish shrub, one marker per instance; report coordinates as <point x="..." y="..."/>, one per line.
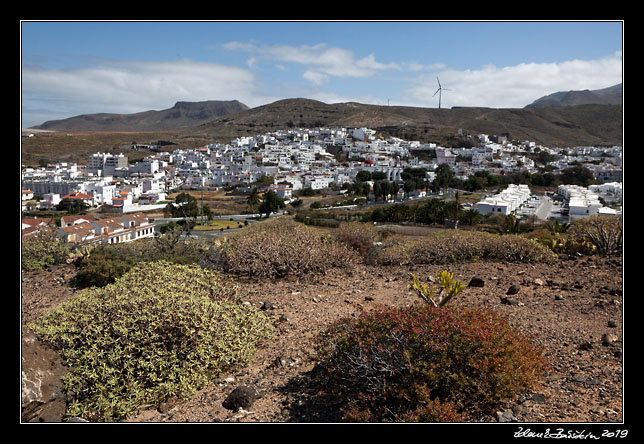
<point x="426" y="364"/>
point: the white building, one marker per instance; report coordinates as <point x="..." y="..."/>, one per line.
<point x="583" y="202"/>
<point x="317" y="182"/>
<point x="145" y="166"/>
<point x="49" y="201"/>
<point x="506" y="202"/>
<point x="106" y="163"/>
<point x="445" y="156"/>
<point x="613" y="189"/>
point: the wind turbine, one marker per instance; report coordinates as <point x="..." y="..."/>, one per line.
<point x="439" y="91"/>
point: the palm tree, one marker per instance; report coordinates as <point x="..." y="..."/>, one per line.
<point x="470" y="216"/>
<point x="253" y="198"/>
<point x="554" y="226"/>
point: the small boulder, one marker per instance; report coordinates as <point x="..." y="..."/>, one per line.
<point x="609" y="338"/>
<point x="43" y="398"/>
<point x="241" y="398"/>
<point x="514" y="289"/>
<point x="476" y="282"/>
<point x="506" y="416"/>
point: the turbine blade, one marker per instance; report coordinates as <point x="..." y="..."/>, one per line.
<point x="439" y="82"/>
<point x="436" y="92"/>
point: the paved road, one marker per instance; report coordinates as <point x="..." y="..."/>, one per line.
<point x="544" y="208"/>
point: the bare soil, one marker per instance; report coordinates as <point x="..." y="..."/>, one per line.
<point x="574" y="308"/>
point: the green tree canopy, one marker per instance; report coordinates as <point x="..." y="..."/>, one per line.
<point x="363" y="176"/>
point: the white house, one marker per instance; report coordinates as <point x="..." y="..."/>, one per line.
<point x="27" y="194"/>
<point x="506" y="202"/>
<point x="317" y="182"/>
<point x="584" y="206"/>
<point x="81" y="232"/>
<point x="126" y="228"/>
<point x="494" y="205"/>
<point x="67" y="221"/>
<point x="282" y="191"/>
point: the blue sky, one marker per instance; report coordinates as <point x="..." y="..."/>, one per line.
<point x="71" y="68"/>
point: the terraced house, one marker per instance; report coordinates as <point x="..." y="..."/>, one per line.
<point x="126" y="228"/>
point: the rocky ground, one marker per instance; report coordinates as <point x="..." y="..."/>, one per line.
<point x="574" y="308"/>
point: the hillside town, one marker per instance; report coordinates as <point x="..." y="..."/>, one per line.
<point x="319" y="159"/>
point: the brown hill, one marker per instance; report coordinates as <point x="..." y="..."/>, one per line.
<point x="607" y="96"/>
<point x="559" y="126"/>
<point x="181" y="115"/>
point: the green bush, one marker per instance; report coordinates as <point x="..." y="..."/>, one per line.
<point x="106" y="263"/>
<point x="426" y="364"/>
<point x="276" y="249"/>
<point x="454" y="246"/>
<point x="42" y="250"/>
<point x="162" y="330"/>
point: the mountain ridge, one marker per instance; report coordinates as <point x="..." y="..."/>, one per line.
<point x="182" y="115"/>
<point x="605" y="96"/>
<point x="548" y="126"/>
<point x="573" y="125"/>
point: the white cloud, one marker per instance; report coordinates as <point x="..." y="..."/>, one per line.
<point x="514" y="86"/>
<point x="126" y="87"/>
<point x="129" y="87"/>
<point x="317" y="78"/>
<point x="320" y="61"/>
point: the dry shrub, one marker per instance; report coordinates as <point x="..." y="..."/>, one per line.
<point x="516" y="248"/>
<point x="281" y="248"/>
<point x="604" y="233"/>
<point x="454" y="246"/>
<point x="359" y="236"/>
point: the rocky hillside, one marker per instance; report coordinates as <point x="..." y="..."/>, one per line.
<point x="181" y="115"/>
<point x="562" y="126"/>
<point x="558" y="126"/>
<point x="607" y="96"/>
<point x="572" y="307"/>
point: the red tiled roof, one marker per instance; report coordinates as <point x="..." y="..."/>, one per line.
<point x="69" y="219"/>
<point x="35" y="221"/>
<point x="77" y="195"/>
<point x="29" y="231"/>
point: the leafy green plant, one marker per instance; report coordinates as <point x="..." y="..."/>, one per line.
<point x="149" y="337"/>
<point x="42" y="250"/>
<point x="426" y="363"/>
<point x="446" y="283"/>
<point x="79" y="254"/>
<point x="108" y="262"/>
